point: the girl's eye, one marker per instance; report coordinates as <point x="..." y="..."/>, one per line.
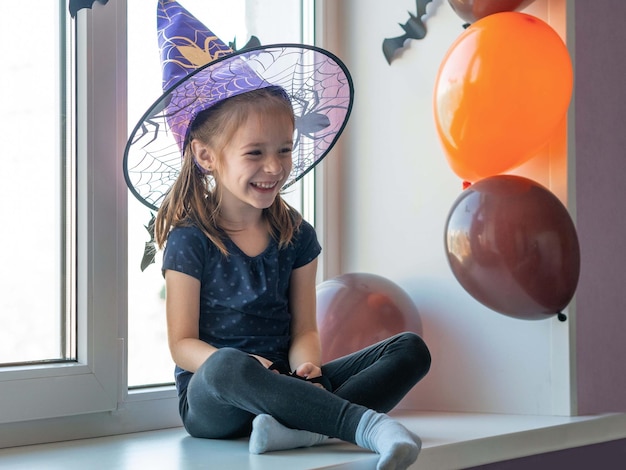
<point x="286" y="150"/>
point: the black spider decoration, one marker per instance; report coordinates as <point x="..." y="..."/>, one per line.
<point x="311" y="118"/>
<point x="308" y="123"/>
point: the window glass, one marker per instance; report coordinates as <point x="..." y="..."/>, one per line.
<point x="34" y="325"/>
<point x="272" y="21"/>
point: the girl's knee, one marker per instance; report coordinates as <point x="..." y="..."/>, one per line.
<point x="416" y="351"/>
<point x="414" y="342"/>
<point x="225" y="362"/>
<point x="227" y="357"/>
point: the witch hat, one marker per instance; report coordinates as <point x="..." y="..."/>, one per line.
<point x="199" y="70"/>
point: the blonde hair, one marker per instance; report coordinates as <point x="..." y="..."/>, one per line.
<point x="194" y="199"/>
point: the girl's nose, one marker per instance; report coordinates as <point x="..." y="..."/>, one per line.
<point x="273" y="165"/>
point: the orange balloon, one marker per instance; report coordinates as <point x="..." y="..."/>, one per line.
<point x="500" y="93"/>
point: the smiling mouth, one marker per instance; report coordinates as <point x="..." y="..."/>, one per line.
<point x="271" y="185"/>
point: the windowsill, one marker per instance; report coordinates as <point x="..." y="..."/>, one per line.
<point x="461" y="440"/>
<point x="450" y="441"/>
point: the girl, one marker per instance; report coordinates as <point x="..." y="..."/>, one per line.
<point x="240" y="264"/>
<point x="240" y="268"/>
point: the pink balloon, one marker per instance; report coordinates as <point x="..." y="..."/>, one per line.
<point x="356" y="310"/>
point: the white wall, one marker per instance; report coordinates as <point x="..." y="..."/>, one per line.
<point x="391" y="191"/>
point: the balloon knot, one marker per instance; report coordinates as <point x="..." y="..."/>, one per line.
<point x="466" y="184"/>
<point x="561" y="316"/>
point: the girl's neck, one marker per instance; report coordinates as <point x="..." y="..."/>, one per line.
<point x="236" y="215"/>
<point x="251" y="237"/>
<point x="243" y="221"/>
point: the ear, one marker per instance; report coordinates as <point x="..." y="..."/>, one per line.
<point x="203" y="155"/>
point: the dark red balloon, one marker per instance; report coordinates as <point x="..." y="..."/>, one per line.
<point x="473" y="10"/>
<point x="512" y="245"/>
<point x="355" y="310"/>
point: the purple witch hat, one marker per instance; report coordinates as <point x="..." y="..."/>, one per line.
<point x="199" y="70"/>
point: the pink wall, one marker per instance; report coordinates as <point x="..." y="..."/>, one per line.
<point x="600" y="144"/>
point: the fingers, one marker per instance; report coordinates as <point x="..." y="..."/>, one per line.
<point x="308" y="370"/>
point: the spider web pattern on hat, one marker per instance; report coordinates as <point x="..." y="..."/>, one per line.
<point x="317" y="83"/>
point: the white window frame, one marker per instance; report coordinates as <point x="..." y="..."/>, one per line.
<point x="77" y="387"/>
<point x="89" y="397"/>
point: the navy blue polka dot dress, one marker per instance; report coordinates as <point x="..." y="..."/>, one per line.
<point x="244" y="301"/>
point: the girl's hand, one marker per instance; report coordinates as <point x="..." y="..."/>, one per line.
<point x="308" y="370"/>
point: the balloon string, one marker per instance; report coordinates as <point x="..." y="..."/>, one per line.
<point x="561" y="316"/>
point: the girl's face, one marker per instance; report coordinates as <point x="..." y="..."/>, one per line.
<point x="256" y="162"/>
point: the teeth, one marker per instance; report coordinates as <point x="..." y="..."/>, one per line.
<point x="265" y="185"/>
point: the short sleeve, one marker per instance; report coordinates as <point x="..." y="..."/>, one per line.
<point x="185" y="251"/>
<point x="307" y="245"/>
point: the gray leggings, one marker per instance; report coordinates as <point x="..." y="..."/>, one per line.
<point x="231" y="388"/>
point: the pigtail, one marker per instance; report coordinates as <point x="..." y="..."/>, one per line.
<point x="190" y="202"/>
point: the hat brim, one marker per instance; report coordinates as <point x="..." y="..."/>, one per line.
<point x="318" y="84"/>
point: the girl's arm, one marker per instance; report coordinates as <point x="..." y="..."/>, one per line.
<point x="305" y="354"/>
<point x="182" y="307"/>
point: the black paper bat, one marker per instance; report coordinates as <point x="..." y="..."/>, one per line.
<point x="76" y="5"/>
<point x="252" y="42"/>
<point x="413" y="29"/>
<point x="150" y="251"/>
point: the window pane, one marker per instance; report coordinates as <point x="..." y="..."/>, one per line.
<point x="272" y="21"/>
<point x="32" y="315"/>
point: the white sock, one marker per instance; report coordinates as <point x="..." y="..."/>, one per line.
<point x="398" y="447"/>
<point x="268" y="435"/>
